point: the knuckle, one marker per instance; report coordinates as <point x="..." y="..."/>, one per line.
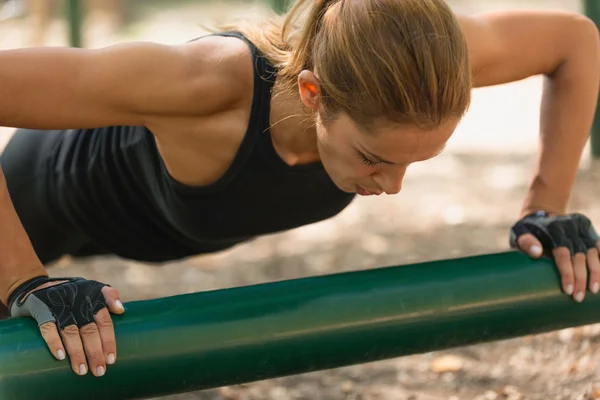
<point x="109" y="344"/>
<point x="567" y="276"/>
<point x="70" y="330"/>
<point x="97" y="356"/>
<point x="105" y="323"/>
<point x="89" y="330"/>
<point x="562" y="253"/>
<point x="78" y="355"/>
<point x="594" y="267"/>
<point x="580" y="272"/>
<point x="564" y="266"/>
<point x="524" y="239"/>
<point x="48" y="329"/>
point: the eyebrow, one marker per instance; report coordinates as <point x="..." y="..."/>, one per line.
<point x="381" y="160"/>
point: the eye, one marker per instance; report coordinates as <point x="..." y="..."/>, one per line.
<point x="365" y="160"/>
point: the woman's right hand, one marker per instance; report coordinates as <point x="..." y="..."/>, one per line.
<point x="73" y="317"/>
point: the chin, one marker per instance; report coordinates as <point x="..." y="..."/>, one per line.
<point x="348" y="187"/>
<point x="344" y="184"/>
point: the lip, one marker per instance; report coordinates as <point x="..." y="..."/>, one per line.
<point x="364" y="192"/>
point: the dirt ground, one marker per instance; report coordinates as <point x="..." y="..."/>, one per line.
<point x="461" y="203"/>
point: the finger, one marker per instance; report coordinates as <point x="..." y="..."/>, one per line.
<point x="530" y="245"/>
<point x="112" y="298"/>
<point x="52" y="338"/>
<point x="74" y="346"/>
<point x="562" y="257"/>
<point x="580" y="272"/>
<point x="593" y="261"/>
<point x="107" y="335"/>
<point x="90" y="336"/>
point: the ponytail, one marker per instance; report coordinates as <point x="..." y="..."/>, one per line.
<point x="301" y="58"/>
<point x="404" y="62"/>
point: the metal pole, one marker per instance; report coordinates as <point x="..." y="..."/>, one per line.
<point x="74" y="16"/>
<point x="592" y="10"/>
<point x="280" y="6"/>
<point x="238" y="335"/>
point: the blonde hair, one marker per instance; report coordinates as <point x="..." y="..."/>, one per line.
<point x="378" y="61"/>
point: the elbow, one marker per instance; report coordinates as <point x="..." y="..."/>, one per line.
<point x="584" y="37"/>
<point x="585" y="32"/>
<point x="581" y="46"/>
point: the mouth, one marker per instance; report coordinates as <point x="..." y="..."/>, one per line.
<point x="364" y="192"/>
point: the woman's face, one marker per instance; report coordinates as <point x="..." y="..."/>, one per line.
<point x="369" y="162"/>
<point x="375" y="162"/>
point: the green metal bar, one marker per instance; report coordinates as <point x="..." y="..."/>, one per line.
<point x="74" y="16"/>
<point x="592" y="10"/>
<point x="244" y="334"/>
<point x="280" y="6"/>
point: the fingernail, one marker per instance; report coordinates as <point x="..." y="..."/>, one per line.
<point x="595" y="288"/>
<point x="111" y="358"/>
<point x="569" y="290"/>
<point x="535" y="250"/>
<point x="100" y="371"/>
<point x="579" y="297"/>
<point x="119" y="305"/>
<point x="82" y="369"/>
<point x="60" y="354"/>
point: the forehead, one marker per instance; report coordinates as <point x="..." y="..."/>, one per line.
<point x="398" y="144"/>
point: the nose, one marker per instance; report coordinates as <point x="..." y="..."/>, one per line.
<point x="390" y="180"/>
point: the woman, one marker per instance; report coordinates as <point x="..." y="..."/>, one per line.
<point x="155" y="152"/>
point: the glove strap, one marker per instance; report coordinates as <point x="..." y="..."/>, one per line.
<point x="28" y="286"/>
<point x="539" y="213"/>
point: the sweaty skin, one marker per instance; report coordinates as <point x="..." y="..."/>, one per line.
<point x="199" y="109"/>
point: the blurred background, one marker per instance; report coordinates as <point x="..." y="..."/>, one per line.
<point x="461" y="203"/>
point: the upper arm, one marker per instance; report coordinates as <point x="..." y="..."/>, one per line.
<point x="124" y="84"/>
<point x="507" y="46"/>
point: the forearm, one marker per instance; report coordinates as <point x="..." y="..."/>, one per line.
<point x="567" y="111"/>
<point x="18" y="261"/>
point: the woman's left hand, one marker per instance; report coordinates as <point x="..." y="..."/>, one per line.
<point x="570" y="240"/>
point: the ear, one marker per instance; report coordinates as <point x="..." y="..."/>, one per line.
<point x="308" y="85"/>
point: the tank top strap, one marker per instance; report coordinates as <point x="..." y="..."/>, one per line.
<point x="259" y="122"/>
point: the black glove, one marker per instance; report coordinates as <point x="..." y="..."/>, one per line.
<point x="574" y="231"/>
<point x="75" y="302"/>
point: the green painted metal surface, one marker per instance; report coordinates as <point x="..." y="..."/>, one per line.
<point x="74" y="15"/>
<point x="592" y="10"/>
<point x="280" y="6"/>
<point x="236" y="335"/>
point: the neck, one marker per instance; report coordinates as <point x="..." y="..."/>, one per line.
<point x="292" y="129"/>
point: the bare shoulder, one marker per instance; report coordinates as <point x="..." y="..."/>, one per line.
<point x="219" y="73"/>
<point x="198" y="148"/>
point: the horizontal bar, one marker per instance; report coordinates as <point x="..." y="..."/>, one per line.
<point x="238" y="335"/>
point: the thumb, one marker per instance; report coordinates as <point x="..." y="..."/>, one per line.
<point x="530" y="245"/>
<point x="112" y="297"/>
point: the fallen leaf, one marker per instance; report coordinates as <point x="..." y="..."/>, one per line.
<point x="447" y="363"/>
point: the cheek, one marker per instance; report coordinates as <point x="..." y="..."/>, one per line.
<point x="338" y="157"/>
<point x="328" y="148"/>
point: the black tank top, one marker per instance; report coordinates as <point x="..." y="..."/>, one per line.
<point x="112" y="184"/>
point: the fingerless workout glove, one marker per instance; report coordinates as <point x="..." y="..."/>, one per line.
<point x="574" y="231"/>
<point x="74" y="302"/>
